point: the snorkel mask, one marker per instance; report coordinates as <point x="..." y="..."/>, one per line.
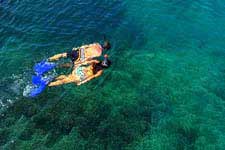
<point x="105" y="63"/>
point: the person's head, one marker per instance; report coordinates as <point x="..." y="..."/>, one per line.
<point x="106" y="45"/>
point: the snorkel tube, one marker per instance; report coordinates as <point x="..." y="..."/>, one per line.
<point x="106" y="44"/>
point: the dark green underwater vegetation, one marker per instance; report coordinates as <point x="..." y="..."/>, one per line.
<point x="165" y="89"/>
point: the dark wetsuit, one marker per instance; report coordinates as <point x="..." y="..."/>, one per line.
<point x="73" y="55"/>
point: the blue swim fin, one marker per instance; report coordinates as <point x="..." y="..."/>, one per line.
<point x="40" y="84"/>
<point x="37" y="80"/>
<point x="43" y="67"/>
<point x="36" y="91"/>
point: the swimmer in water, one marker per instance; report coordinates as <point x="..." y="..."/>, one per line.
<point x="83" y="72"/>
<point x="84" y="53"/>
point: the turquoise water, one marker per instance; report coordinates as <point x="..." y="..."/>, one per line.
<point x="165" y="89"/>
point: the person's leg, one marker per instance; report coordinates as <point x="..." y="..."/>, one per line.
<point x="61" y="77"/>
<point x="66" y="65"/>
<point x="61" y="81"/>
<point x="57" y="57"/>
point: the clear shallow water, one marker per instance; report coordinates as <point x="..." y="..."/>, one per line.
<point x="165" y="89"/>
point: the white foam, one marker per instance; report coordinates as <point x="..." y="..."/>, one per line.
<point x="27" y="90"/>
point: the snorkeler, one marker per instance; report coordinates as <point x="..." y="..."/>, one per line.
<point x="83" y="53"/>
<point x="79" y="56"/>
<point x="83" y="72"/>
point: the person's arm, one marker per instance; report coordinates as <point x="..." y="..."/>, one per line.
<point x="91" y="77"/>
<point x="84" y="62"/>
<point x="89" y="62"/>
<point x="57" y="57"/>
<point x="86" y="80"/>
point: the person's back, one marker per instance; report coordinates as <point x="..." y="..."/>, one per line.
<point x="90" y="51"/>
